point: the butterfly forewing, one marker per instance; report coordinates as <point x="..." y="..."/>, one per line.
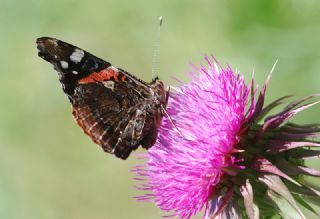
<point x="115" y="109"/>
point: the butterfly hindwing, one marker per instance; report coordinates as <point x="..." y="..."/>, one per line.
<point x="115" y="109"/>
<point x="110" y="117"/>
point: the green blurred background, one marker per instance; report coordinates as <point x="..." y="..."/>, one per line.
<point x="48" y="167"/>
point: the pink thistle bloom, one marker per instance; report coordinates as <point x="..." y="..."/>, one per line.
<point x="215" y="153"/>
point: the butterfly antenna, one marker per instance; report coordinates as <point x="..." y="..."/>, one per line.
<point x="156" y="49"/>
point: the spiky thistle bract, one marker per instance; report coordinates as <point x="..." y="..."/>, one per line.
<point x="232" y="158"/>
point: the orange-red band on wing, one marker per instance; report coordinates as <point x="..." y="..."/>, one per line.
<point x="100" y="76"/>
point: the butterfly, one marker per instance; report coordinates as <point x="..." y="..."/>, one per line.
<point x="115" y="109"/>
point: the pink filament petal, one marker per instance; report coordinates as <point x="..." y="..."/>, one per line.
<point x="209" y="111"/>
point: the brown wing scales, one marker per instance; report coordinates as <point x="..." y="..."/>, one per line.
<point x="130" y="137"/>
<point x="114" y="108"/>
<point x="110" y="119"/>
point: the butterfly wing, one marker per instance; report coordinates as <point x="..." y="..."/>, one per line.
<point x="112" y="118"/>
<point x="110" y="105"/>
<point x="71" y="62"/>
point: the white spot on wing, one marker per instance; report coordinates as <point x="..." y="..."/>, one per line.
<point x="114" y="68"/>
<point x="77" y="55"/>
<point x="102" y="135"/>
<point x="64" y="64"/>
<point x="109" y="84"/>
<point x="90" y="129"/>
<point x="74" y="72"/>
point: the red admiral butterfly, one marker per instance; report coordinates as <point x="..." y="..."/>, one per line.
<point x="115" y="109"/>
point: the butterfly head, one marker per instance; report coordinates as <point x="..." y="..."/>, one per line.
<point x="159" y="91"/>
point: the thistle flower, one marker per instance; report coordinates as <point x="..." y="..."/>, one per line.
<point x="218" y="153"/>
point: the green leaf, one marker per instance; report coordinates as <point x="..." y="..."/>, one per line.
<point x="286" y="210"/>
<point x="304" y="190"/>
<point x="302" y="202"/>
<point x="279" y="193"/>
<point x="313" y="200"/>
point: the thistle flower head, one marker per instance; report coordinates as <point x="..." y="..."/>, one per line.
<point x="214" y="153"/>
